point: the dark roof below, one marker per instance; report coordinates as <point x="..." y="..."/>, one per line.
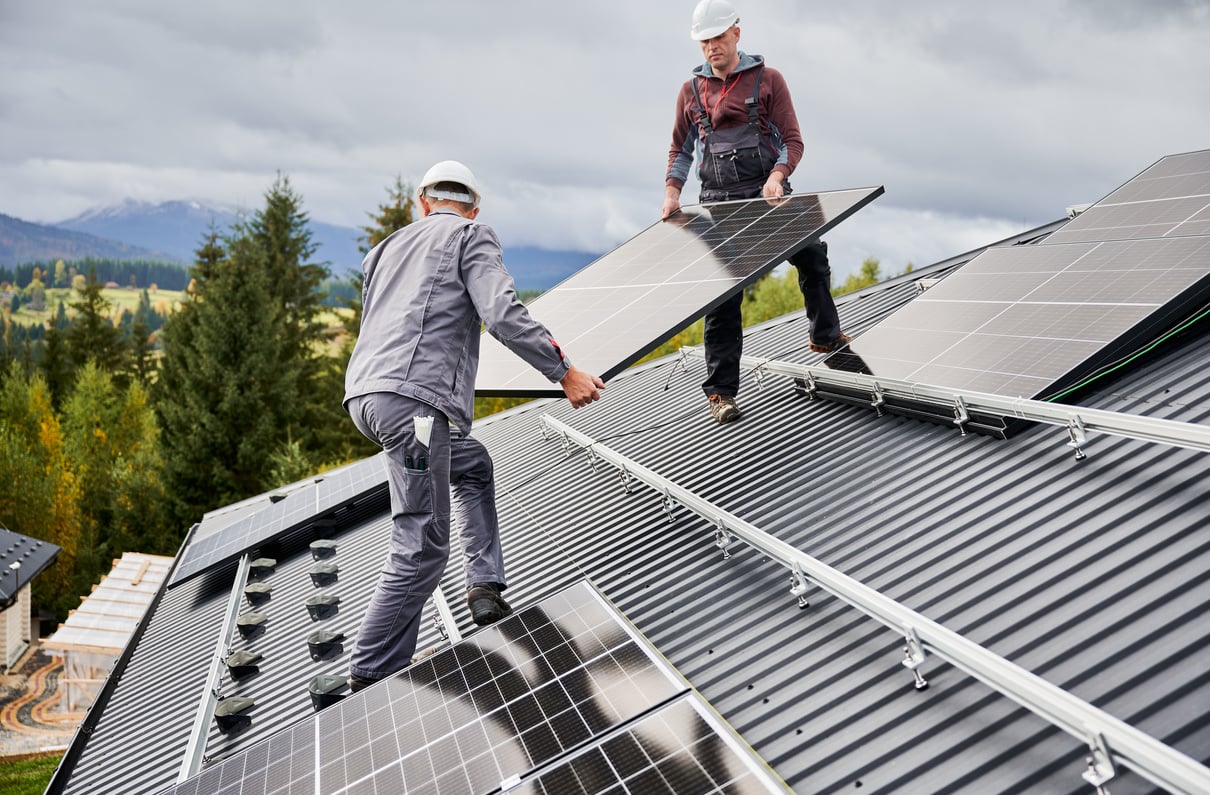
<point x="22" y="558"/>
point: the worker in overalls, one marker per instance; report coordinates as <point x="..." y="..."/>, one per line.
<point x="736" y="116"/>
<point x="410" y="387"/>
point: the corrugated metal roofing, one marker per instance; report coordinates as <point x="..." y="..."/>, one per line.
<point x="1092" y="574"/>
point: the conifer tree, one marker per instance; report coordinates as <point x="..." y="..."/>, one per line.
<point x="91" y="336"/>
<point x="56" y="360"/>
<point x="223" y="379"/>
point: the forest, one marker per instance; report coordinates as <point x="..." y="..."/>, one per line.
<point x="119" y="430"/>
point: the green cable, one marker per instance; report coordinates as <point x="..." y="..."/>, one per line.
<point x="1205" y="311"/>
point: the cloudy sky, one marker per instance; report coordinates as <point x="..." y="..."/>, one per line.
<point x="981" y="120"/>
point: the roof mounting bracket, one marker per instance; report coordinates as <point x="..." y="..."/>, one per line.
<point x="1076" y="437"/>
<point x="878" y="400"/>
<point x="667" y="503"/>
<point x="799" y="585"/>
<point x="624" y="474"/>
<point x="592" y="459"/>
<point x="724" y="539"/>
<point x="806" y="386"/>
<point x="759" y="372"/>
<point x="961" y="415"/>
<point x="1100" y="762"/>
<point x="566" y="446"/>
<point x="914" y="656"/>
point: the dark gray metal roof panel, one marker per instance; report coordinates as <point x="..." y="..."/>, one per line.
<point x="1092" y="574"/>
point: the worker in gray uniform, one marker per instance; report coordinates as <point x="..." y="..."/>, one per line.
<point x="409" y="387"/>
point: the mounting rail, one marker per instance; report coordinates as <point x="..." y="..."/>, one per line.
<point x="1076" y="419"/>
<point x="1109" y="739"/>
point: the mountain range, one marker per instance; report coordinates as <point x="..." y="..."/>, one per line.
<point x="173" y="230"/>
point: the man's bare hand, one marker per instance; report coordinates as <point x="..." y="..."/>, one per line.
<point x="580" y="387"/>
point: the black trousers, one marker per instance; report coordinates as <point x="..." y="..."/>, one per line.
<point x="724" y="337"/>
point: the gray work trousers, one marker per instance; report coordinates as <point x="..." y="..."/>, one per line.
<point x="420" y="479"/>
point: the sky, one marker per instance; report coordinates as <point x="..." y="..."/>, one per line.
<point x="980" y="120"/>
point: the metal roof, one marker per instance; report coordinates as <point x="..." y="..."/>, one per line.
<point x="22" y="558"/>
<point x="1093" y="574"/>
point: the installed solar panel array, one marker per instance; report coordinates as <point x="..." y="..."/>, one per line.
<point x="329" y="492"/>
<point x="1038" y="320"/>
<point x="562" y="697"/>
<point x="608" y="315"/>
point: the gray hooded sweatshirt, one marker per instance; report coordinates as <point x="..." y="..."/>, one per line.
<point x="428" y="287"/>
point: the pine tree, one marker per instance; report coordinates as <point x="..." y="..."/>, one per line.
<point x="223" y="379"/>
<point x="56" y="359"/>
<point x="91" y="336"/>
<point x="398" y="212"/>
<point x="277" y="241"/>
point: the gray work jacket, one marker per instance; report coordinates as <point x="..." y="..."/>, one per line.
<point x="427" y="289"/>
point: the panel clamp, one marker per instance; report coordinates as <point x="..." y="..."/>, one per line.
<point x="878" y="400"/>
<point x="961" y="415"/>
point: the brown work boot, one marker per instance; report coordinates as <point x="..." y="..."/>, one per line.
<point x="723" y="408"/>
<point x="486" y="604"/>
<point x="828" y="347"/>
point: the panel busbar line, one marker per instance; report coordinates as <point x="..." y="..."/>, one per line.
<point x="623" y="305"/>
<point x="1036" y="321"/>
<point x="329" y="491"/>
<point x="565" y="691"/>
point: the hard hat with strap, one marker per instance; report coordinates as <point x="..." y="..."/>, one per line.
<point x="450" y="171"/>
<point x="711" y="18"/>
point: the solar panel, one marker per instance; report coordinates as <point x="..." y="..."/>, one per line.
<point x="1034" y="321"/>
<point x="563" y="691"/>
<point x="1169" y="199"/>
<point x="624" y="304"/>
<point x="328" y="492"/>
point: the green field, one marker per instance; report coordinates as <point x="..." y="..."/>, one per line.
<point x="120" y="298"/>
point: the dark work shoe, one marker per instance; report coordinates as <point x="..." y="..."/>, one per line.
<point x="360" y="682"/>
<point x="828" y="347"/>
<point x="723" y="408"/>
<point x="486" y="604"/>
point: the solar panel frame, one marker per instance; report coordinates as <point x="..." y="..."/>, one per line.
<point x="1036" y="321"/>
<point x="328" y="492"/>
<point x="622" y="306"/>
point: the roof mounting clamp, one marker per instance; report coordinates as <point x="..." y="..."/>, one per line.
<point x="724" y="539"/>
<point x="625" y="476"/>
<point x="668" y="504"/>
<point x="759" y="372"/>
<point x="592" y="459"/>
<point x="1100" y="762"/>
<point x="961" y="415"/>
<point x="914" y="656"/>
<point x="1076" y="437"/>
<point x="798" y="586"/>
<point x="806" y="386"/>
<point x="877" y="399"/>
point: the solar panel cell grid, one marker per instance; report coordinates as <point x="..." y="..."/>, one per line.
<point x="621" y="306"/>
<point x="1028" y="321"/>
<point x="463" y="722"/>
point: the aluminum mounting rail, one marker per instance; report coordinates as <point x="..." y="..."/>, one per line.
<point x="1077" y="420"/>
<point x="1109" y="740"/>
<point x="195" y="751"/>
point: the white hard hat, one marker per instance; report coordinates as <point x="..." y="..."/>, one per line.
<point x="450" y="171"/>
<point x="712" y="17"/>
